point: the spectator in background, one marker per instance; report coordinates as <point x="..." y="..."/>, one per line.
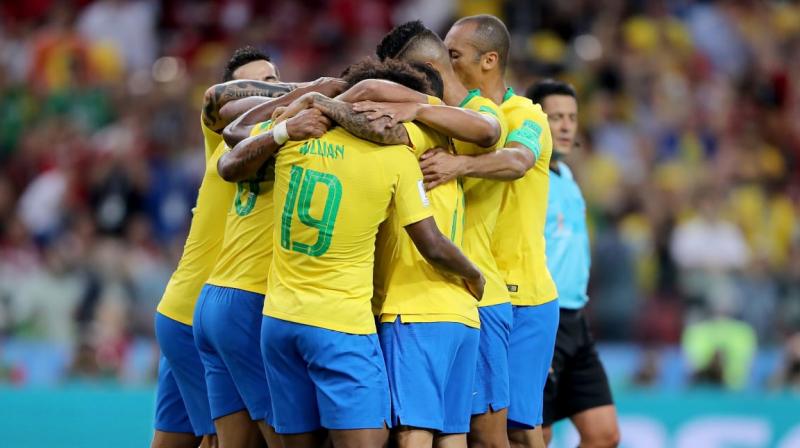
<point x="720" y="350"/>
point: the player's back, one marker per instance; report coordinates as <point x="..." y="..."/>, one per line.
<point x="483" y="197"/>
<point x="520" y="249"/>
<point x="331" y="195"/>
<point x="204" y="241"/>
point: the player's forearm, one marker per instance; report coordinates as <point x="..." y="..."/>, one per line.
<point x="239" y="129"/>
<point x="358" y="124"/>
<point x="215" y="113"/>
<point x="382" y="91"/>
<point x="448" y="259"/>
<point x="460" y="124"/>
<point x="503" y="164"/>
<point x="246" y="158"/>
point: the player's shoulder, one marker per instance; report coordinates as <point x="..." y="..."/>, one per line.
<point x="477" y="102"/>
<point x="519" y="107"/>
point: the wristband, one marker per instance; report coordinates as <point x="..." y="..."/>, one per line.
<point x="280" y="134"/>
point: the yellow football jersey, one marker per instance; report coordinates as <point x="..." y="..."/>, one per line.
<point x="204" y="241"/>
<point x="482" y="197"/>
<point x="246" y="253"/>
<point x="331" y="195"/>
<point x="406" y="285"/>
<point x="211" y="139"/>
<point x="519" y="245"/>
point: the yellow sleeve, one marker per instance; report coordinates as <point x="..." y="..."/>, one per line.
<point x="260" y="128"/>
<point x="410" y="200"/>
<point x="486" y="107"/>
<point x="210" y="138"/>
<point x="532" y="131"/>
<point x="434" y="100"/>
<point x="423" y="138"/>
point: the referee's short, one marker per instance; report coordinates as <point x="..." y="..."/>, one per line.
<point x="577" y="381"/>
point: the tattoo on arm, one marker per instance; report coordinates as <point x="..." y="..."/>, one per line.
<point x="221" y="94"/>
<point x="359" y="125"/>
<point x="244" y="160"/>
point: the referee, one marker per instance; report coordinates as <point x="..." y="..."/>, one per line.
<point x="577" y="387"/>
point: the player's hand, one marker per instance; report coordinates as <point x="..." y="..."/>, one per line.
<point x="309" y="123"/>
<point x="397" y="112"/>
<point x="330" y="87"/>
<point x="439" y="166"/>
<point x="475" y="287"/>
<point x="296" y="106"/>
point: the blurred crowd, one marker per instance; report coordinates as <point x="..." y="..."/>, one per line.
<point x="689" y="158"/>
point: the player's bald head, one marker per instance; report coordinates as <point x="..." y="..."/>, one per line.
<point x="488" y="33"/>
<point x="412" y="41"/>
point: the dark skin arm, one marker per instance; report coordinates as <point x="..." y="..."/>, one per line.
<point x="220" y="100"/>
<point x="455" y="122"/>
<point x="382" y="90"/>
<point x="239" y="129"/>
<point x="342" y="113"/>
<point x="443" y="255"/>
<point x="440" y="166"/>
<point x="247" y="157"/>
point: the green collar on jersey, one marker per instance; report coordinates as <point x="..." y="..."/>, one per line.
<point x="509" y="94"/>
<point x="470" y="95"/>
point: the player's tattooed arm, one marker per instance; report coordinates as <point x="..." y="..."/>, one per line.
<point x="248" y="156"/>
<point x="239" y="129"/>
<point x="358" y="124"/>
<point x="217" y="100"/>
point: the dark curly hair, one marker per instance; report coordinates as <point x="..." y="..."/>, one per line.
<point x="242" y="56"/>
<point x="398" y="38"/>
<point x="391" y="70"/>
<point x="433" y="76"/>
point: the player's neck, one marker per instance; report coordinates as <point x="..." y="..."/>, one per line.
<point x="493" y="86"/>
<point x="454" y="91"/>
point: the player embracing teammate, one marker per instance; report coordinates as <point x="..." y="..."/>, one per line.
<point x="390" y="227"/>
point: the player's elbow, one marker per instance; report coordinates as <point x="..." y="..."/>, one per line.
<point x="233" y="134"/>
<point x="520" y="162"/>
<point x="489" y="134"/>
<point x="362" y="91"/>
<point x="227" y="171"/>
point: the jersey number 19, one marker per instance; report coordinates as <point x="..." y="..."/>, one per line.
<point x="301" y="190"/>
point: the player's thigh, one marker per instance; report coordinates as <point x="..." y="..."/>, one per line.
<point x="349" y="374"/>
<point x="293" y="393"/>
<point x="360" y="438"/>
<point x="598" y="426"/>
<point x="313" y="439"/>
<point x="235" y="334"/>
<point x="163" y="439"/>
<point x="238" y="430"/>
<point x="491" y="390"/>
<point x="459" y="387"/>
<point x="547" y="434"/>
<point x="177" y="344"/>
<point x="533" y="338"/>
<point x="450" y="441"/>
<point x="171" y="415"/>
<point x="408" y="437"/>
<point x="526" y="438"/>
<point x="489" y="430"/>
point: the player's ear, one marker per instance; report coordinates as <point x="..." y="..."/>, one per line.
<point x="489" y="60"/>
